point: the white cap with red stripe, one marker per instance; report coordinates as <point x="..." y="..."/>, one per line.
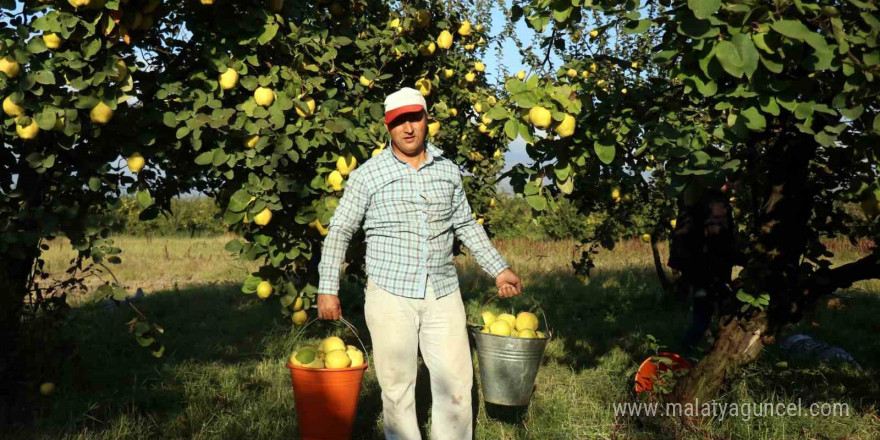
<point x="405" y="100"/>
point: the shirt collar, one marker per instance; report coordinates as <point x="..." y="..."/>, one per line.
<point x="430" y="151"/>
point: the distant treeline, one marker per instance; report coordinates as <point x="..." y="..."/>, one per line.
<point x="510" y="218"/>
<point x="193" y="216"/>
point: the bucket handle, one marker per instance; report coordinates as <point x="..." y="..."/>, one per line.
<point x="350" y="327"/>
<point x="534" y="303"/>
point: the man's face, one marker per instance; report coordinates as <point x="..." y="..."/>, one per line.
<point x="408" y="131"/>
<point x="717" y="220"/>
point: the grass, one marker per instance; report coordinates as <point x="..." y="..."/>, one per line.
<point x="223" y="375"/>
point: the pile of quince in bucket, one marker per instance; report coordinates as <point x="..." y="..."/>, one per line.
<point x="524" y="325"/>
<point x="331" y="353"/>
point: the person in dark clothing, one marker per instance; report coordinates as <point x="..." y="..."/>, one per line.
<point x="703" y="250"/>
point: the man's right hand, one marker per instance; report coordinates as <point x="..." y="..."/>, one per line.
<point x="329" y="307"/>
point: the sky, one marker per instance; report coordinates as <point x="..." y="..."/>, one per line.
<point x="516" y="153"/>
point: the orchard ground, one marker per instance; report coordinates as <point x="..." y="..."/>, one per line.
<point x="223" y="373"/>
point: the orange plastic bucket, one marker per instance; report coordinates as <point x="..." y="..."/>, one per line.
<point x="649" y="370"/>
<point x="326" y="401"/>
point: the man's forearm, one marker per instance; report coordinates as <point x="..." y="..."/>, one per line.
<point x="474" y="237"/>
<point x="344" y="223"/>
<point x="332" y="257"/>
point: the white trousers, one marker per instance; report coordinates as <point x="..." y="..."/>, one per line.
<point x="399" y="327"/>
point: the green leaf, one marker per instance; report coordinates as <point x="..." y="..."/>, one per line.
<point x="695" y="28"/>
<point x="144" y="199"/>
<point x="825" y="139"/>
<point x="531" y="188"/>
<point x="49" y="161"/>
<point x="760" y="43"/>
<point x="36" y="45"/>
<point x="768" y="105"/>
<point x="537" y="202"/>
<point x="44" y="77"/>
<point x="538" y="22"/>
<point x="119" y="293"/>
<point x="91" y="48"/>
<point x="738" y="56"/>
<point x="268" y="34"/>
<point x="604" y="150"/>
<point x="566" y="186"/>
<point x="562" y="170"/>
<point x="497" y="113"/>
<point x="45" y="119"/>
<point x="771" y="65"/>
<point x="804" y="110"/>
<point x="793" y="29"/>
<point x="376" y="111"/>
<point x="755" y="121"/>
<point x="877" y="123"/>
<point x="239" y="201"/>
<point x="743" y="296"/>
<point x="141" y="327"/>
<point x="205" y="158"/>
<point x="820" y="60"/>
<point x="144" y="342"/>
<point x="638" y="27"/>
<point x="704" y="8"/>
<point x="561" y="11"/>
<point x="706" y="88"/>
<point x="103" y="292"/>
<point x="94" y="183"/>
<point x="230" y="217"/>
<point x="863" y="5"/>
<point x="729" y="58"/>
<point x="233" y="246"/>
<point x="852" y="113"/>
<point x="287" y="300"/>
<point x="747" y="52"/>
<point x="220" y="156"/>
<point x="511" y="129"/>
<point x="158" y="353"/>
<point x="250" y="284"/>
<point x="169" y="119"/>
<point x="149" y="214"/>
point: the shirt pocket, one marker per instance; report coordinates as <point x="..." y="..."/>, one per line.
<point x="391" y="201"/>
<point x="439" y="194"/>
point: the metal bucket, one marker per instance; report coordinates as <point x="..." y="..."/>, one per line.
<point x="508" y="367"/>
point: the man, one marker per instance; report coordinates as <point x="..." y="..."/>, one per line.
<point x="703" y="250"/>
<point x="412" y="202"/>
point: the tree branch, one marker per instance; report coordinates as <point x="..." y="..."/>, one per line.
<point x="826" y="281"/>
<point x="658" y="263"/>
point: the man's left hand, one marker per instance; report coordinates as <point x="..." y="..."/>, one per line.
<point x="508" y="284"/>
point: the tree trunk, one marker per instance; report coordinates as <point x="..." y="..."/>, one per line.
<point x="783" y="231"/>
<point x="658" y="264"/>
<point x="14" y="273"/>
<point x="739" y="342"/>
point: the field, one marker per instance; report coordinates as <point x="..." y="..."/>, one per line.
<point x="223" y="375"/>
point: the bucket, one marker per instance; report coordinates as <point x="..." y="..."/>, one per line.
<point x="651" y="368"/>
<point x="508" y="367"/>
<point x="327" y="400"/>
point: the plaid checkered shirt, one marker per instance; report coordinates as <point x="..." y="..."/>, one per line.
<point x="409" y="218"/>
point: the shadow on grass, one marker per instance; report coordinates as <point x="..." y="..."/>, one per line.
<point x="618" y="309"/>
<point x="109" y="374"/>
<point x="216" y="343"/>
